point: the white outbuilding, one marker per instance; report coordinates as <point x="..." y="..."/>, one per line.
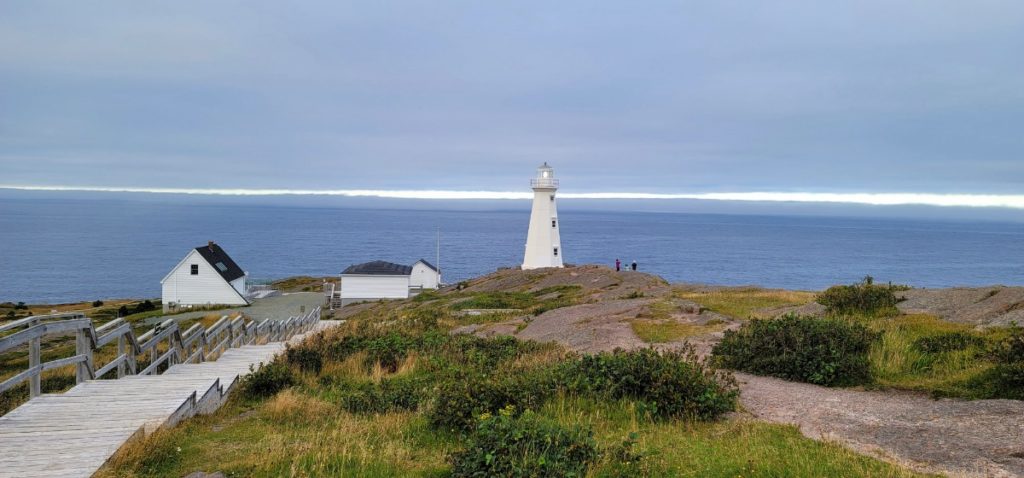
<point x="207" y="276"/>
<point x="386" y="280"/>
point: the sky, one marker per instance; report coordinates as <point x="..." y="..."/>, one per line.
<point x="671" y="98"/>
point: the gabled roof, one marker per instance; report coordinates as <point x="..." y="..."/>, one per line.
<point x="424" y="261"/>
<point x="220" y="261"/>
<point x="378" y="268"/>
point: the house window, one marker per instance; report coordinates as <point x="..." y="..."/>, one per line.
<point x="556" y="252"/>
<point x="554" y="223"/>
<point x="195" y="269"/>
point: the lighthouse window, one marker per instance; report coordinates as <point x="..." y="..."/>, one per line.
<point x="556" y="251"/>
<point x="554" y="223"/>
<point x="552" y="197"/>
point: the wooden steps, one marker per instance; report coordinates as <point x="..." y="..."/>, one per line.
<point x="73" y="434"/>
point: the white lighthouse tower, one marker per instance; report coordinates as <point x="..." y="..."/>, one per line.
<point x="543" y="245"/>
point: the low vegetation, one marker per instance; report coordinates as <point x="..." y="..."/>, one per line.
<point x="391" y="393"/>
<point x="915" y="352"/>
<point x="865" y="299"/>
<point x="745" y="302"/>
<point x="829" y="352"/>
<point x="666" y="331"/>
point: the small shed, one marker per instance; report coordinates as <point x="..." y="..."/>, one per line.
<point x="424" y="276"/>
<point x="386" y="280"/>
<point x="374" y="280"/>
<point x="207" y="276"/>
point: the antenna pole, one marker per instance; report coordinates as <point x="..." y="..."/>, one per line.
<point x="438" y="256"/>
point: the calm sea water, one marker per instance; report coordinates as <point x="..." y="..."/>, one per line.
<point x="64" y="250"/>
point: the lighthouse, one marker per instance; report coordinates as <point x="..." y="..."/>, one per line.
<point x="543" y="245"/>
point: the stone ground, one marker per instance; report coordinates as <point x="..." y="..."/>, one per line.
<point x="277" y="307"/>
<point x="954" y="437"/>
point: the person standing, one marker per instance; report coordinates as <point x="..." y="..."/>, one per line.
<point x="618" y="265"/>
<point x="634" y="264"/>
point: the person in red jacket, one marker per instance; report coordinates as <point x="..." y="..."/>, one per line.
<point x="618" y="265"/>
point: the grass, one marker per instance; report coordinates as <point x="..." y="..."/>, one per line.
<point x="665" y="331"/>
<point x="305" y="431"/>
<point x="722" y="449"/>
<point x="745" y="302"/>
<point x="294" y="434"/>
<point x="897" y="363"/>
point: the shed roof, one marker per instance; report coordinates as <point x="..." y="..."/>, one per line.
<point x="378" y="268"/>
<point x="428" y="264"/>
<point x="220" y="261"/>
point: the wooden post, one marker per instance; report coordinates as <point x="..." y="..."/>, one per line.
<point x="120" y="352"/>
<point x="35" y="382"/>
<point x="81" y="348"/>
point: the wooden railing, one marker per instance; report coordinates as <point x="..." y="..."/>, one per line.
<point x="164" y="344"/>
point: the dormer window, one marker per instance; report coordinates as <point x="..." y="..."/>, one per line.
<point x="195" y="269"/>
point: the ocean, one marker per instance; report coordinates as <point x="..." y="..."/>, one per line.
<point x="61" y="250"/>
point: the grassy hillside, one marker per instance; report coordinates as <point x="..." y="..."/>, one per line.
<point x="376" y="396"/>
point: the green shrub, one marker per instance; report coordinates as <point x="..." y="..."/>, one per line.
<point x="864" y="298"/>
<point x="827" y="352"/>
<point x="461" y="399"/>
<point x="267" y="380"/>
<point x="307" y="359"/>
<point x="485" y="354"/>
<point x="389" y="350"/>
<point x="668" y="384"/>
<point x="97" y="303"/>
<point x="525" y="446"/>
<point x="390" y="395"/>
<point x="948" y="342"/>
<point x="1008" y="374"/>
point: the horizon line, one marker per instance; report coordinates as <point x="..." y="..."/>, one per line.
<point x="1005" y="201"/>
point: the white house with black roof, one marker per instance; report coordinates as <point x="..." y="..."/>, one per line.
<point x="207" y="276"/>
<point x="386" y="280"/>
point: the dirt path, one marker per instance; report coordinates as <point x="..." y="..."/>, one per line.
<point x="955" y="437"/>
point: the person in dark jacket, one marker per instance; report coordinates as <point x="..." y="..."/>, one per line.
<point x="618" y="265"/>
<point x="634" y="265"/>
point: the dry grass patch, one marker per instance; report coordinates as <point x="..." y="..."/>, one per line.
<point x="745" y="302"/>
<point x="665" y="331"/>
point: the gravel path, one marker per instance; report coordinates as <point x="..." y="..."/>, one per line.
<point x="955" y="437"/>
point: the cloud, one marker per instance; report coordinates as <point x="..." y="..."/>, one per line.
<point x="873" y="199"/>
<point x="656" y="96"/>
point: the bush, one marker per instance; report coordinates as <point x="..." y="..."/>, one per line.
<point x="1008" y="374"/>
<point x="827" y="352"/>
<point x="863" y="298"/>
<point x="267" y="380"/>
<point x="396" y="394"/>
<point x="388" y="350"/>
<point x="669" y="384"/>
<point x="307" y="359"/>
<point x="525" y="446"/>
<point x="485" y="354"/>
<point x="97" y="303"/>
<point x="948" y="342"/>
<point x="462" y="399"/>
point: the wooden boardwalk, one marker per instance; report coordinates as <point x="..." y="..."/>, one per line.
<point x="72" y="434"/>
